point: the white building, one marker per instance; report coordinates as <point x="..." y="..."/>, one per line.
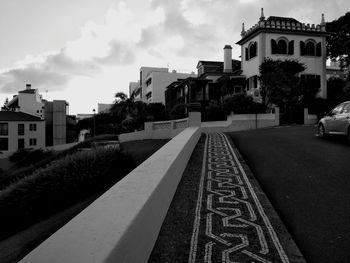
<point x="284" y="38"/>
<point x="20" y="130"/>
<point x="153" y="82"/>
<point x="54" y="113"/>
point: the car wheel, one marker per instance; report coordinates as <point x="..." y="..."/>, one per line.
<point x="321" y="131"/>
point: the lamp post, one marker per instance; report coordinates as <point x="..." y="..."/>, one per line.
<point x="93" y="120"/>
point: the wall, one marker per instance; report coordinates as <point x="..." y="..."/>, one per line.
<point x="314" y="64"/>
<point x="251" y="67"/>
<point x="123" y="224"/>
<point x="13" y="136"/>
<point x="160" y="80"/>
<point x="59" y="122"/>
<point x="309" y="118"/>
<point x="31" y="103"/>
<point x="240" y="122"/>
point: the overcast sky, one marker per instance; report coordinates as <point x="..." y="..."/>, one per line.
<point x="84" y="51"/>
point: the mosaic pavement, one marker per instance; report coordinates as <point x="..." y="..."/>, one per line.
<point x="230" y="224"/>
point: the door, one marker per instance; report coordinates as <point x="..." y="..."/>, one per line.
<point x="21" y="143"/>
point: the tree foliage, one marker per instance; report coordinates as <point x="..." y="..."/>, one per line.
<point x="280" y="83"/>
<point x="338" y="43"/>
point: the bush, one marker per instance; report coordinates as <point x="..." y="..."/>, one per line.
<point x="58" y="186"/>
<point x="214" y="112"/>
<point x="19" y="155"/>
<point x="178" y="112"/>
<point x="241" y="104"/>
<point x="33" y="157"/>
<point x="12" y="177"/>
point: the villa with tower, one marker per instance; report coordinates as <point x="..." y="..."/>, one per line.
<point x="284" y="38"/>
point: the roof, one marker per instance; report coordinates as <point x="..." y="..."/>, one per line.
<point x="235" y="62"/>
<point x="282" y="19"/>
<point x="284" y="25"/>
<point x="30" y="91"/>
<point x="17" y="116"/>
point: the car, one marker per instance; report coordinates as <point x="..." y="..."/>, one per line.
<point x="337" y="121"/>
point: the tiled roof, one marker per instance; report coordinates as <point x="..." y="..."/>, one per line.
<point x="30" y="91"/>
<point x="17" y="116"/>
<point x="282" y="24"/>
<point x="280" y="19"/>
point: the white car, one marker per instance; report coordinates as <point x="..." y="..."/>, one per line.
<point x="337" y="121"/>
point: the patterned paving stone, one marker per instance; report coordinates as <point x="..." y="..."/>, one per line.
<point x="225" y="220"/>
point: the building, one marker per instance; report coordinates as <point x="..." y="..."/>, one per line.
<point x="214" y="80"/>
<point x="284" y="38"/>
<point x="54" y="113"/>
<point x="335" y="71"/>
<point x="20" y="130"/>
<point x="152" y="84"/>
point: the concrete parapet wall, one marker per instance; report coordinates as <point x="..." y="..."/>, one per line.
<point x="162" y="129"/>
<point x="239" y="122"/>
<point x="123" y="224"/>
<point x="309" y="118"/>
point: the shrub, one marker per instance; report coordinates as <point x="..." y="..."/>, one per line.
<point x="19" y="155"/>
<point x="178" y="112"/>
<point x="12" y="177"/>
<point x="33" y="157"/>
<point x="59" y="185"/>
<point x="241" y="104"/>
<point x="214" y="112"/>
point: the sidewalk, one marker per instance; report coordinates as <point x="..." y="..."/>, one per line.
<point x="220" y="214"/>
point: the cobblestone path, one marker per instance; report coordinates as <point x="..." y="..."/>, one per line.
<point x="220" y="214"/>
<point x="230" y="224"/>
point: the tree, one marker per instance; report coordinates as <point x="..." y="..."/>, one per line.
<point x="280" y="83"/>
<point x="4" y="107"/>
<point x="338" y="43"/>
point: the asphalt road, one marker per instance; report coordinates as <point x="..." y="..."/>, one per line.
<point x="307" y="180"/>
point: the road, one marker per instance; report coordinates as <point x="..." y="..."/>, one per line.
<point x="307" y="180"/>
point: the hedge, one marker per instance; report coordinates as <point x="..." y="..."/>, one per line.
<point x="59" y="185"/>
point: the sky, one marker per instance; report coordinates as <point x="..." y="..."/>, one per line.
<point x="85" y="51"/>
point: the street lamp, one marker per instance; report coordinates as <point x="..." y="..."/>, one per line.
<point x="93" y="120"/>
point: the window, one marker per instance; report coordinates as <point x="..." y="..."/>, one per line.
<point x="148" y="82"/>
<point x="310" y="48"/>
<point x="4" y="144"/>
<point x="4" y="129"/>
<point x="346" y="108"/>
<point x="32" y="141"/>
<point x="251" y="51"/>
<point x="282" y="46"/>
<point x="311" y="80"/>
<point x="252" y="82"/>
<point x="21" y="129"/>
<point x="32" y="126"/>
<point x="337" y="109"/>
<point x="20" y="143"/>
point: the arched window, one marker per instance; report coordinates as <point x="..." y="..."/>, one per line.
<point x="282" y="46"/>
<point x="251" y="51"/>
<point x="310" y="48"/>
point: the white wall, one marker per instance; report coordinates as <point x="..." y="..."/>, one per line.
<point x="160" y="80"/>
<point x="31" y="103"/>
<point x="123" y="224"/>
<point x="13" y="136"/>
<point x="314" y="64"/>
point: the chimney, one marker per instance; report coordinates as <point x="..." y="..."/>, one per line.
<point x="28" y="86"/>
<point x="227" y="59"/>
